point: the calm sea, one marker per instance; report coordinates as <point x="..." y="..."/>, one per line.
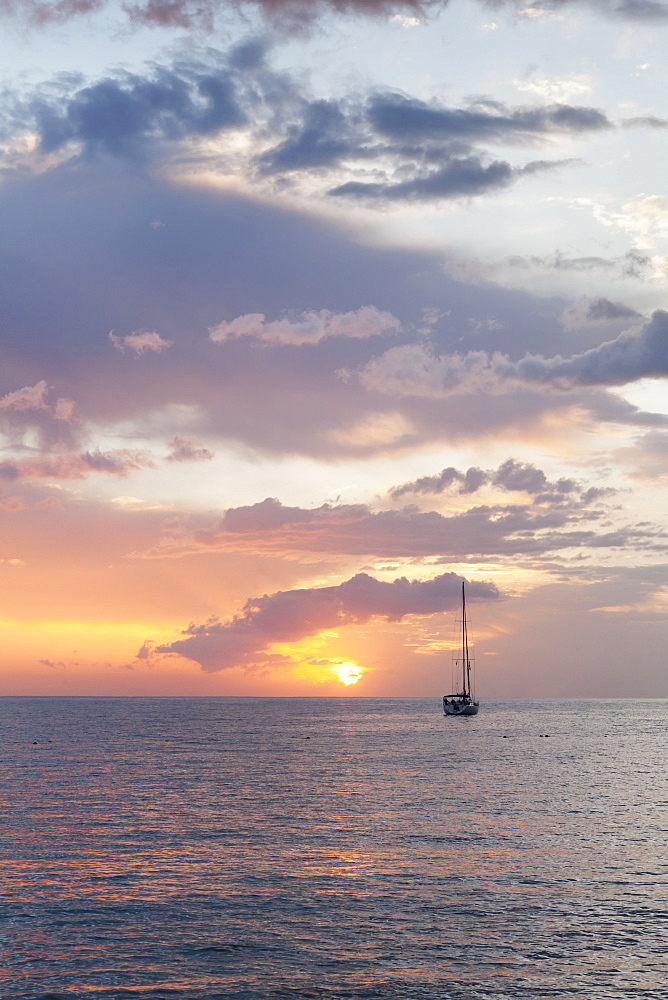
<point x="333" y="848"/>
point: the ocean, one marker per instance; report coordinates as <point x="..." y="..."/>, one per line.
<point x="334" y="848"/>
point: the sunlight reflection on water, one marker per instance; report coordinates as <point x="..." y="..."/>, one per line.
<point x="333" y="848"/>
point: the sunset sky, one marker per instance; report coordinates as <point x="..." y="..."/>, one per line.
<point x="311" y="309"/>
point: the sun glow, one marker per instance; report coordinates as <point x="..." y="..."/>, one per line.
<point x="348" y="673"/>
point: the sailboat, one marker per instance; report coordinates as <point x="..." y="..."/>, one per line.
<point x="462" y="703"/>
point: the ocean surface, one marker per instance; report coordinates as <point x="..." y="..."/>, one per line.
<point x="333" y="848"/>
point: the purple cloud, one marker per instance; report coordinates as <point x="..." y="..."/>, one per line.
<point x="120" y="462"/>
<point x="288" y="616"/>
<point x="202" y="13"/>
<point x="555" y="522"/>
<point x="511" y="475"/>
<point x="414" y="370"/>
<point x="287" y="15"/>
<point x="29" y="409"/>
<point x="184" y="450"/>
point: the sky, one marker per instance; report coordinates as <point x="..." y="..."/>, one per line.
<point x="312" y="310"/>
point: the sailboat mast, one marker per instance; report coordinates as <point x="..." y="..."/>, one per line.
<point x="466" y="666"/>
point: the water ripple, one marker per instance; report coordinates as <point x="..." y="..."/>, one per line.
<point x="196" y="849"/>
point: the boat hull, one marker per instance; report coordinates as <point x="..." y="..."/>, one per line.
<point x="460" y="708"/>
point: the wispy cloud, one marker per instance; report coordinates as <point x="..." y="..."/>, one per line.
<point x="291" y="15"/>
<point x="309" y="328"/>
<point x="185" y="450"/>
<point x="120" y="463"/>
<point x="140" y="342"/>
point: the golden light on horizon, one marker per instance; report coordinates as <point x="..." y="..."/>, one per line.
<point x="348" y="673"/>
<point x="314" y="662"/>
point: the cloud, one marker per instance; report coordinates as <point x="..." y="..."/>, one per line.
<point x="31" y="397"/>
<point x="184" y="450"/>
<point x="202" y="13"/>
<point x="326" y="134"/>
<point x="126" y="115"/>
<point x="558" y="89"/>
<point x="291" y="15"/>
<point x="648" y="457"/>
<point x="401" y="117"/>
<point x="631" y="356"/>
<point x="460" y="178"/>
<point x="295" y="15"/>
<point x="597" y="312"/>
<point x="511" y="475"/>
<point x="283" y="15"/>
<point x="634" y="10"/>
<point x="430" y="150"/>
<point x="524" y="477"/>
<point x="40" y="12"/>
<point x="418" y="150"/>
<point x="556" y="522"/>
<point x="632" y="264"/>
<point x="288" y="616"/>
<point x="120" y="462"/>
<point x="140" y="342"/>
<point x="309" y="328"/>
<point x="28" y="409"/>
<point x="413" y="370"/>
<point x="125" y="276"/>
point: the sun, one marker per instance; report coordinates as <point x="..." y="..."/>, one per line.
<point x="348" y="673"/>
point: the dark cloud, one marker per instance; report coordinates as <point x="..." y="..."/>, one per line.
<point x="631" y="356"/>
<point x="465" y="482"/>
<point x="594" y="314"/>
<point x="524" y="477"/>
<point x="122" y="116"/>
<point x="433" y="149"/>
<point x="421" y="151"/>
<point x="323" y="137"/>
<point x="415" y="133"/>
<point x="498" y="530"/>
<point x="415" y="371"/>
<point x="460" y="178"/>
<point x="604" y="309"/>
<point x="288" y="616"/>
<point x="512" y="475"/>
<point x="401" y="117"/>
